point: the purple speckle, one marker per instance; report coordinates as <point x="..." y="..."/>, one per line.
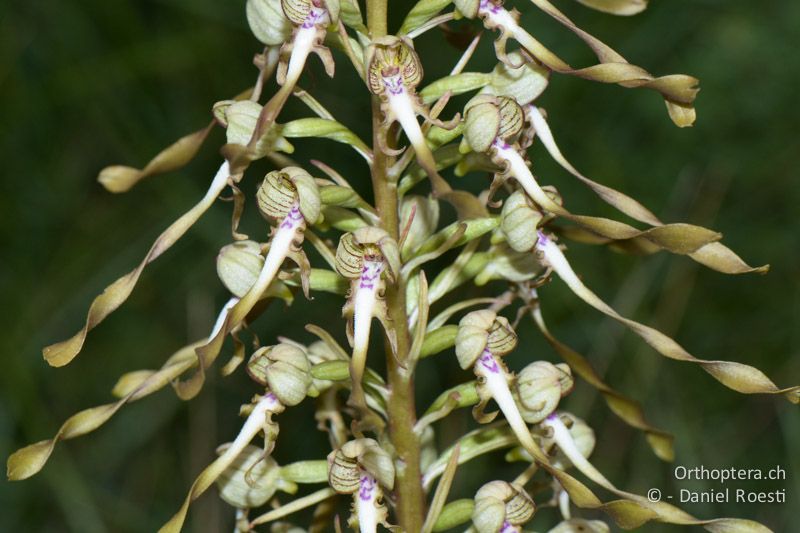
<point x="314" y="17"/>
<point x="508" y="528"/>
<point x="487" y="7"/>
<point x="292" y="218"/>
<point x="367" y="488"/>
<point x="394" y="85"/>
<point x="500" y="144"/>
<point x="370" y="273"/>
<point x="488" y="362"/>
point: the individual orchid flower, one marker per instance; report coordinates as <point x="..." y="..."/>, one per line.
<point x="367" y="257"/>
<point x="362" y="468"/>
<point x="310" y="19"/>
<point x="482" y="339"/>
<point x="259" y="419"/>
<point x="679" y="91"/>
<point x="118" y="178"/>
<point x="285" y="371"/>
<point x="251" y="479"/>
<point x="240" y="118"/>
<point x="574" y="442"/>
<point x="291" y="198"/>
<point x="492" y="125"/>
<point x="394" y="71"/>
<point x="502" y="507"/>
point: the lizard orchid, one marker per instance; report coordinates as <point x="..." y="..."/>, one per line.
<point x="362" y="468"/>
<point x="367" y="257"/>
<point x="502" y="507"/>
<point x="394" y="72"/>
<point x="678" y="90"/>
<point x="310" y="20"/>
<point x="483" y="338"/>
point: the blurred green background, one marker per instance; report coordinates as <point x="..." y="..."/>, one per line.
<point x="89" y="83"/>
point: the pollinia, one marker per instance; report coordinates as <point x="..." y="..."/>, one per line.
<point x="375" y="252"/>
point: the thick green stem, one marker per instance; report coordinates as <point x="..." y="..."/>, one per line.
<point x="376" y="17"/>
<point x="401" y="409"/>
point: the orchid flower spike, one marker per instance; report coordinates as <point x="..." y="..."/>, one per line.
<point x="366" y="257"/>
<point x="483" y="338"/>
<point x="362" y="468"/>
<point x="394" y="71"/>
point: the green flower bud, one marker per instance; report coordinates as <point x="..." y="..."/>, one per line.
<point x="488" y="117"/>
<point x="540" y="386"/>
<point x="579" y="525"/>
<point x="238" y="266"/>
<point x="320" y="353"/>
<point x="505" y="263"/>
<point x="281" y="189"/>
<point x="239" y="119"/>
<point x="366" y="244"/>
<point x="285" y="369"/>
<point x="520" y="222"/>
<point x="267" y="22"/>
<point x="498" y="502"/>
<point x="524" y="84"/>
<point x="250" y="480"/>
<point x="324" y="373"/>
<point x="392" y="57"/>
<point x="481" y="330"/>
<point x="346" y="464"/>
